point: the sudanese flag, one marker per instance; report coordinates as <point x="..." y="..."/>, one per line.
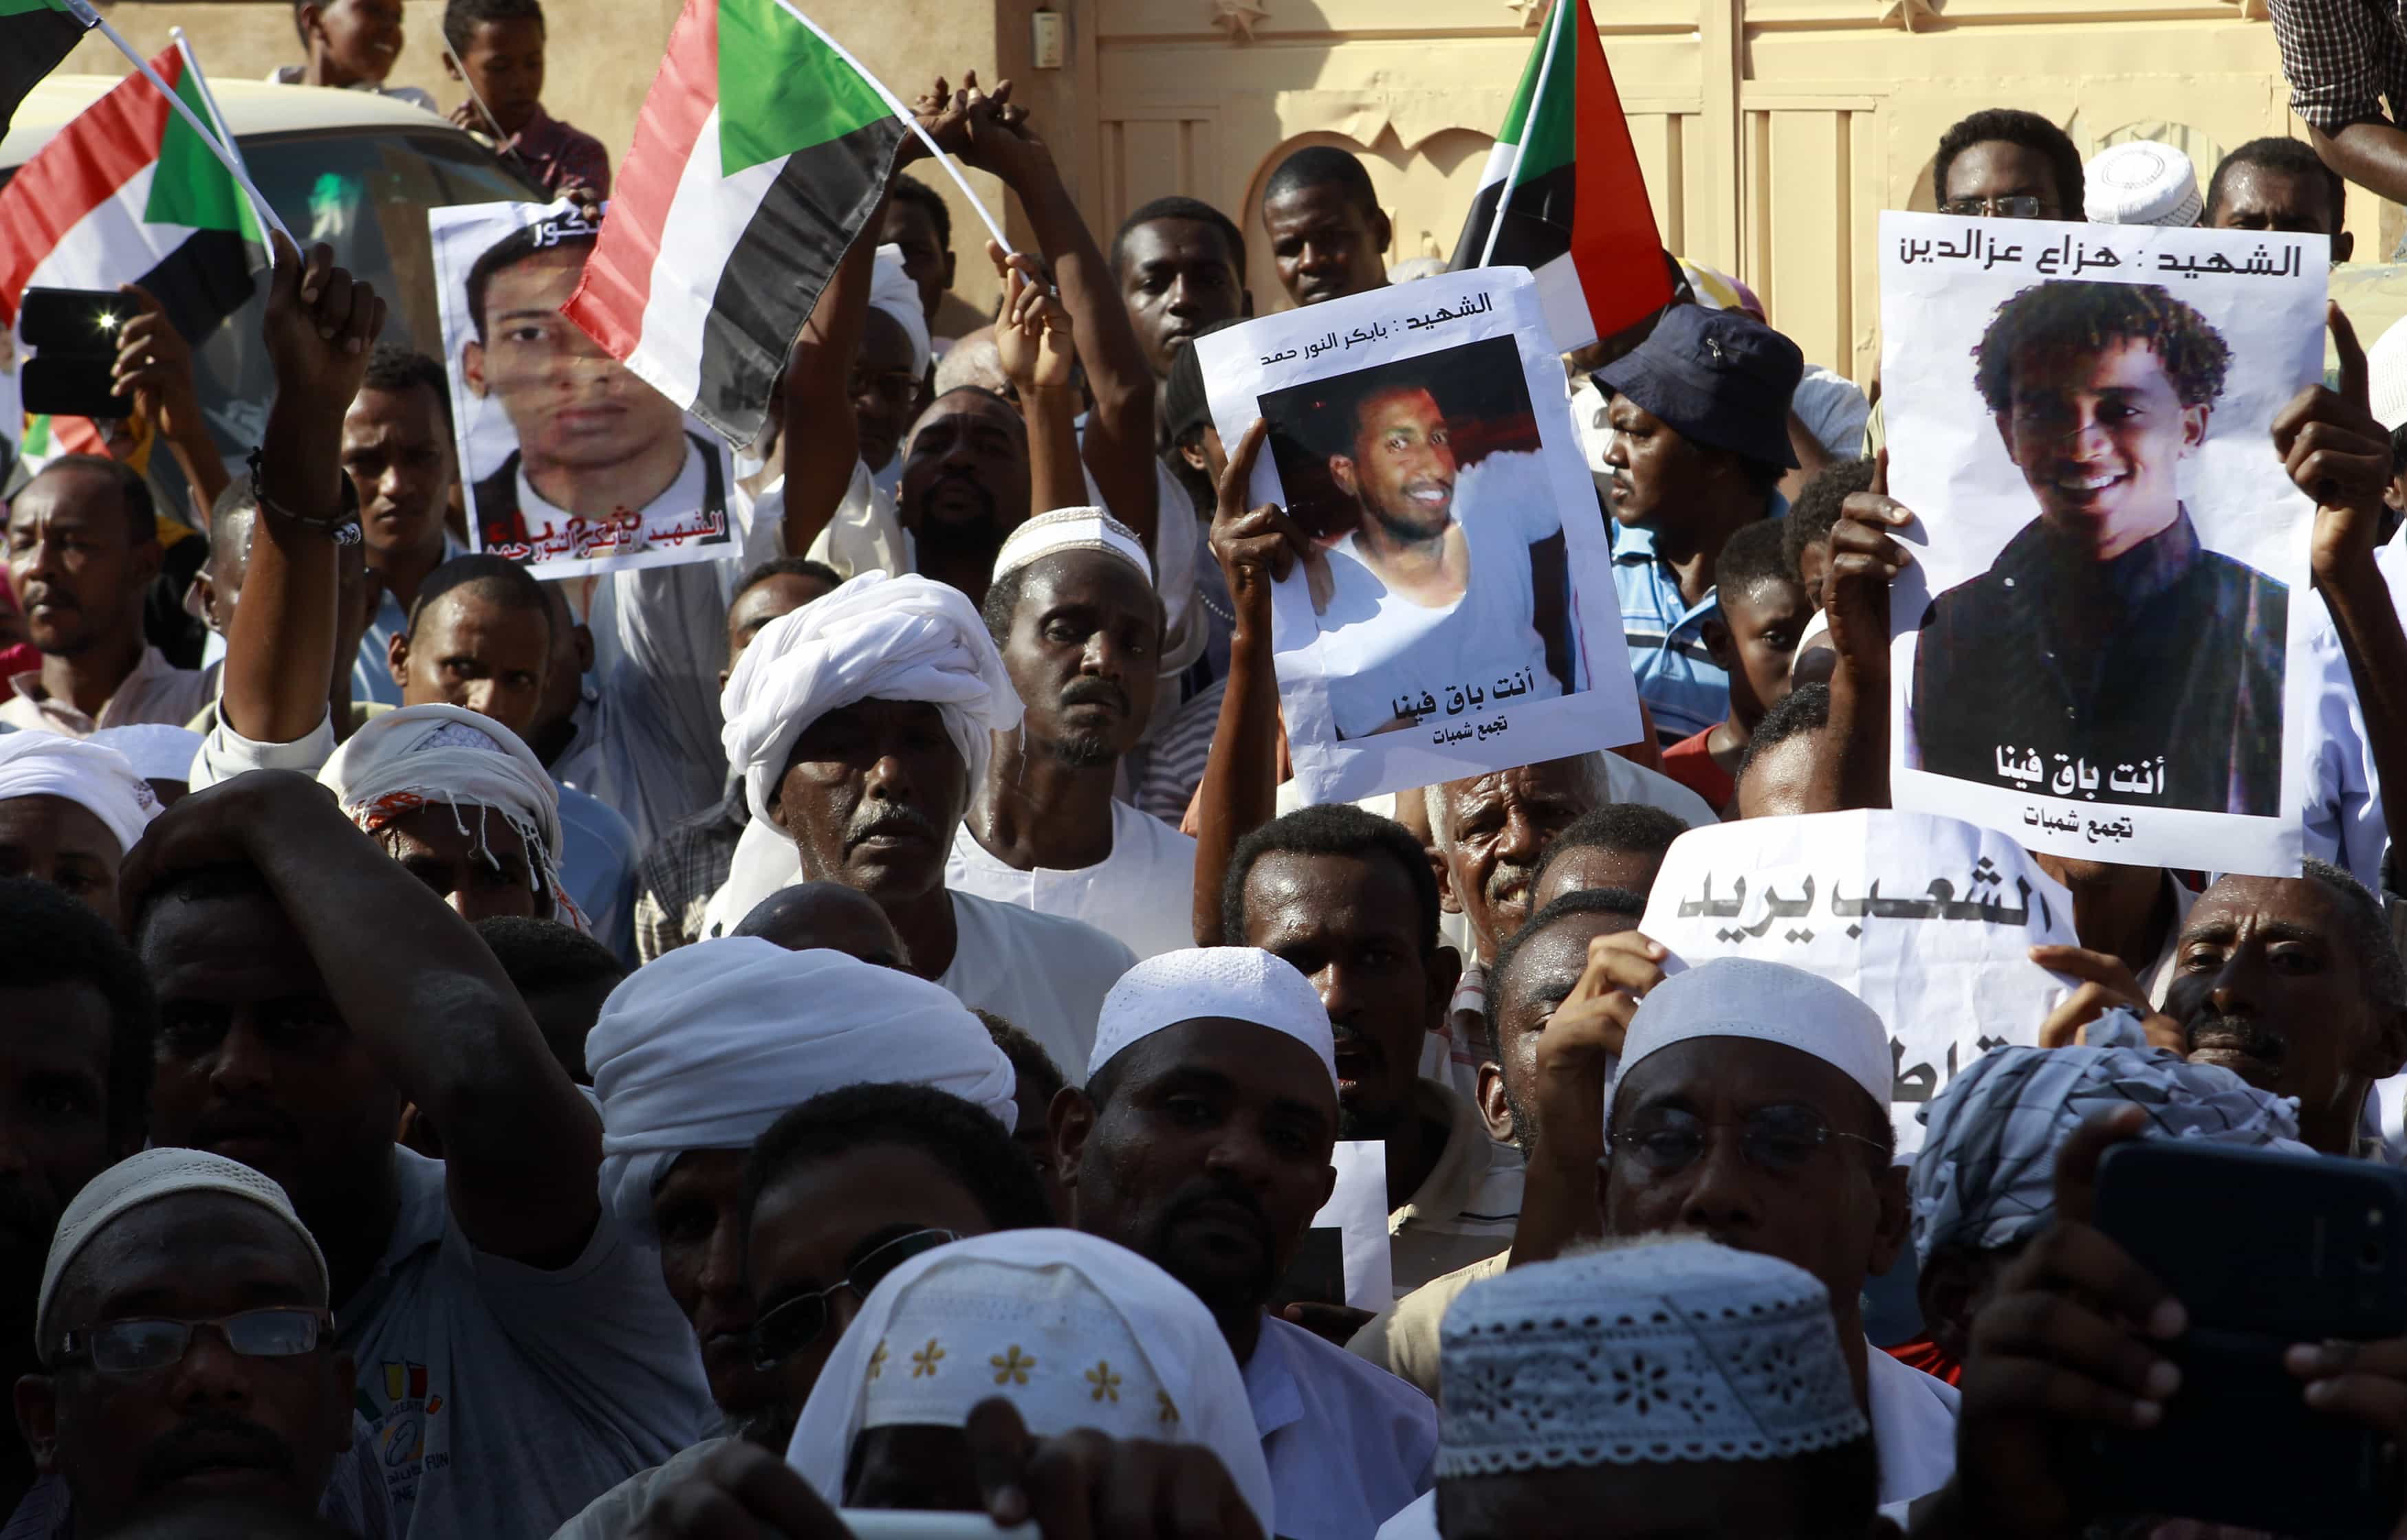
<point x="761" y="154"/>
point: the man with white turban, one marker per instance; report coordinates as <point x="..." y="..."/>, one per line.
<point x="1753" y="1429"/>
<point x="178" y="1238"/>
<point x="1985" y="1181"/>
<point x="1201" y="1141"/>
<point x="516" y="1353"/>
<point x="69" y="810"/>
<point x="694" y="1056"/>
<point x="1070" y="1331"/>
<point x="860" y="723"/>
<point x="1073" y="613"/>
<point x="1752" y="1104"/>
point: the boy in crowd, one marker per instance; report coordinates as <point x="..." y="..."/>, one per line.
<point x="1764" y="609"/>
<point x="350" y="44"/>
<point x="496" y="48"/>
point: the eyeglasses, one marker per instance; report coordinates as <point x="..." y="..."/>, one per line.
<point x="1778" y="1138"/>
<point x="896" y="386"/>
<point x="795" y="1323"/>
<point x="141" y="1347"/>
<point x="2022" y="205"/>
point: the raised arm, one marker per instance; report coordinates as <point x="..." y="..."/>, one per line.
<point x="821" y="441"/>
<point x="1853" y="772"/>
<point x="280" y="646"/>
<point x="1119" y="439"/>
<point x="436" y="1012"/>
<point x="1032" y="337"/>
<point x="1256" y="549"/>
<point x="154" y="364"/>
<point x="2338" y="454"/>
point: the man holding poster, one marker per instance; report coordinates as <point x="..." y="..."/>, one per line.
<point x="2105" y="640"/>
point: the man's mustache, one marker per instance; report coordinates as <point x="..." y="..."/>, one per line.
<point x="877" y="818"/>
<point x="208" y="1440"/>
<point x="1096" y="692"/>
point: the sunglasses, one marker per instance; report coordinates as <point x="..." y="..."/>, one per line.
<point x="796" y="1323"/>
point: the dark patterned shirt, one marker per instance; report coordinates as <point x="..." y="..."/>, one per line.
<point x="2344" y="59"/>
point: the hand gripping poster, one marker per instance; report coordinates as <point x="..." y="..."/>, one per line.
<point x="2101" y="646"/>
<point x="1457" y="613"/>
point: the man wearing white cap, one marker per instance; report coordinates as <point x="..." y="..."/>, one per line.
<point x="69" y="810"/>
<point x="1751" y="1103"/>
<point x="2140" y="182"/>
<point x="1201" y="1141"/>
<point x="1069" y="1332"/>
<point x="516" y="1354"/>
<point x="186" y="1349"/>
<point x="1073" y="613"/>
<point x="697" y="1053"/>
<point x="861" y="723"/>
<point x="1754" y="1429"/>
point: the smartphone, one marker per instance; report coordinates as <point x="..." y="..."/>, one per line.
<point x="2263" y="1250"/>
<point x="72" y="334"/>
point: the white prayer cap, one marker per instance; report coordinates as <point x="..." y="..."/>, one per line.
<point x="1740" y="1351"/>
<point x="2140" y="182"/>
<point x="1769" y="1002"/>
<point x="874" y="638"/>
<point x="1238" y="984"/>
<point x="2386" y="375"/>
<point x="156" y="751"/>
<point x="707" y="1046"/>
<point x="411" y="758"/>
<point x="1071" y="1330"/>
<point x="145" y="1178"/>
<point x="94" y="776"/>
<point x="892" y="291"/>
<point x="1071" y="530"/>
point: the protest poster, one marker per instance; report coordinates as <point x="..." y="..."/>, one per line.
<point x="2102" y="644"/>
<point x="570" y="463"/>
<point x="1457" y="615"/>
<point x="1928" y="920"/>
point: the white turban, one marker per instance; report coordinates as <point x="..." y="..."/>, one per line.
<point x="94" y="776"/>
<point x="1238" y="984"/>
<point x="418" y="756"/>
<point x="1071" y="530"/>
<point x="157" y="751"/>
<point x="874" y="638"/>
<point x="1071" y="1330"/>
<point x="707" y="1046"/>
<point x="892" y="291"/>
<point x="145" y="1178"/>
<point x="1769" y="1002"/>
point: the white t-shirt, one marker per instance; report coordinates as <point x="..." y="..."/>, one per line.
<point x="1143" y="892"/>
<point x="1914" y="1427"/>
<point x="1376" y="644"/>
<point x="1045" y="975"/>
<point x="503" y="1398"/>
<point x="1347" y="1443"/>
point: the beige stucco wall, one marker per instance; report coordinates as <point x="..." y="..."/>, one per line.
<point x="1773" y="131"/>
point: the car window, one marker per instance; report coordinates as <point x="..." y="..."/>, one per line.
<point x="365" y="193"/>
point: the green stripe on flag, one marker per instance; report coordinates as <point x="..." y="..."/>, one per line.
<point x="26" y="8"/>
<point x="781" y="88"/>
<point x="1553" y="133"/>
<point x="190" y="186"/>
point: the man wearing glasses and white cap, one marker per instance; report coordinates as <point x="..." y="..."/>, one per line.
<point x="1751" y="1105"/>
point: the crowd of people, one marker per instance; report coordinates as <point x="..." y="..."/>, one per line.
<point x="867" y="1023"/>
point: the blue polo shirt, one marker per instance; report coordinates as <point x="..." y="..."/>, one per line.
<point x="1684" y="688"/>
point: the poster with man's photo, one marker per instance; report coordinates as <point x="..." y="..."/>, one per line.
<point x="2101" y="645"/>
<point x="1457" y="612"/>
<point x="571" y="464"/>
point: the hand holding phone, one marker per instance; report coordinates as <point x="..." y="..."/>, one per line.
<point x="74" y="335"/>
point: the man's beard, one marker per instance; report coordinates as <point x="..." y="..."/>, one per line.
<point x="1225" y="1296"/>
<point x="1411" y="531"/>
<point x="1089" y="748"/>
<point x="1082" y="750"/>
<point x="770" y="1427"/>
<point x="1525" y="1120"/>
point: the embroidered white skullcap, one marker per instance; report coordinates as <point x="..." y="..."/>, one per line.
<point x="1238" y="984"/>
<point x="1769" y="1002"/>
<point x="892" y="291"/>
<point x="1071" y="530"/>
<point x="1739" y="1352"/>
<point x="704" y="1047"/>
<point x="2140" y="182"/>
<point x="2386" y="375"/>
<point x="145" y="1178"/>
<point x="157" y="751"/>
<point x="1071" y="1330"/>
<point x="1986" y="1176"/>
<point x="94" y="776"/>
